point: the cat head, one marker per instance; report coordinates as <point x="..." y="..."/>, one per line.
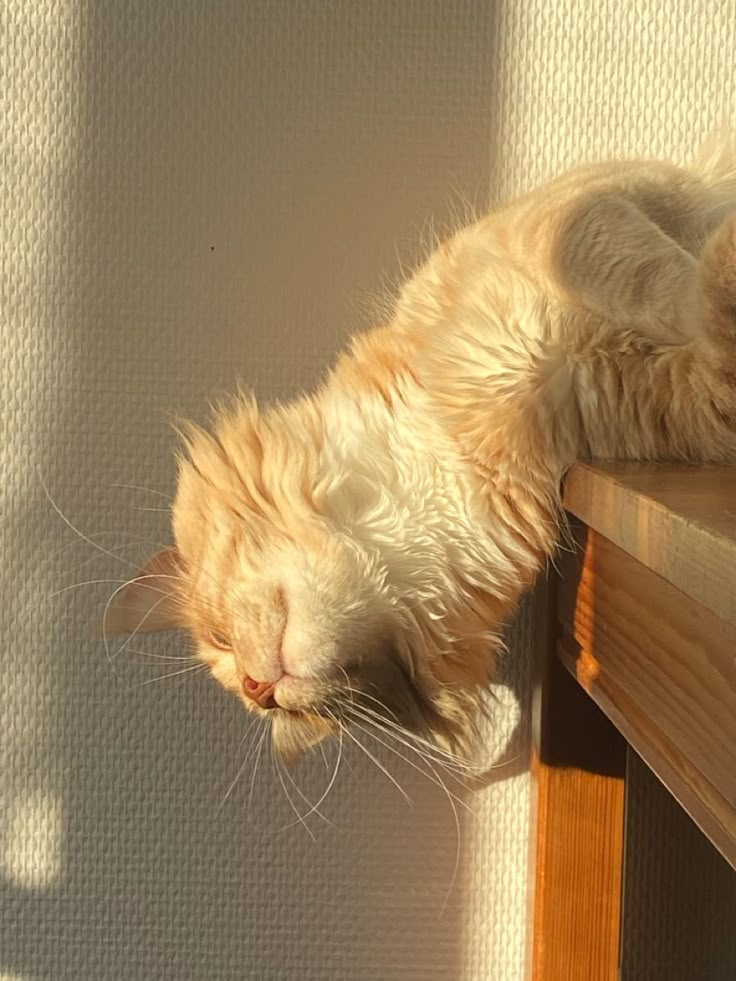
<point x="299" y="617"/>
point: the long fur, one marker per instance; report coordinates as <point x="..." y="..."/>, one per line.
<point x="373" y="539"/>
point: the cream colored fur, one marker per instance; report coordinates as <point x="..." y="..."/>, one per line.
<point x="373" y="539"/>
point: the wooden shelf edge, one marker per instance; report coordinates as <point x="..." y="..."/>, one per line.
<point x="678" y="521"/>
<point x="662" y="668"/>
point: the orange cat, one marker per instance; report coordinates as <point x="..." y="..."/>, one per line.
<point x="355" y="555"/>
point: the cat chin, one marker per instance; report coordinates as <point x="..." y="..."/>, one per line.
<point x="294" y="734"/>
<point x="381" y="696"/>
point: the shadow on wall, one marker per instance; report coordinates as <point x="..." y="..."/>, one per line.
<point x="231" y="175"/>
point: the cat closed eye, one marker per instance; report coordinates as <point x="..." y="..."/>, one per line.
<point x="219" y="640"/>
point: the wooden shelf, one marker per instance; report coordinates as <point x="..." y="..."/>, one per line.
<point x="680" y="522"/>
<point x="642" y="614"/>
<point x="647" y="610"/>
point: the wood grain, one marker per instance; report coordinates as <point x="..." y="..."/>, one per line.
<point x="644" y="618"/>
<point x="578" y="767"/>
<point x="663" y="668"/>
<point x="678" y="521"/>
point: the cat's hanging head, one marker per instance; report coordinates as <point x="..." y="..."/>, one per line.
<point x="292" y="613"/>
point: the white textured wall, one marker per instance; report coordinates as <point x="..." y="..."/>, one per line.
<point x="200" y="192"/>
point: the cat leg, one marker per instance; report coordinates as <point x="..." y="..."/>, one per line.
<point x="609" y="257"/>
<point x="702" y="377"/>
<point x="717" y="287"/>
<point x="675" y="401"/>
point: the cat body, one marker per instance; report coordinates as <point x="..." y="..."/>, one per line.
<point x="356" y="554"/>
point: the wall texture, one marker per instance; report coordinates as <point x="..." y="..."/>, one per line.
<point x="197" y="193"/>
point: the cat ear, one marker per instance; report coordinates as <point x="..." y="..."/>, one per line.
<point x="151" y="601"/>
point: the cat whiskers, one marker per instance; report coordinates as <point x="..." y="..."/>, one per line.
<point x="97" y="582"/>
<point x="454" y="765"/>
<point x="255" y="745"/>
<point x="162" y="657"/>
<point x="73" y="527"/>
<point x="371" y="728"/>
<point x="200" y="666"/>
<point x="111" y="553"/>
<point x="136" y="543"/>
<point x="261" y="741"/>
<point x="131" y="637"/>
<point x="434" y="777"/>
<point x="448" y="761"/>
<point x="314" y="808"/>
<point x="368" y="753"/>
<point x="145" y="490"/>
<point x="300" y="819"/>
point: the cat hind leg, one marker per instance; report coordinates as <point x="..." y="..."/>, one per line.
<point x="623" y="267"/>
<point x="717" y="282"/>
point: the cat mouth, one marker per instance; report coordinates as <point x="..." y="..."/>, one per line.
<point x="291" y="695"/>
<point x="296" y="695"/>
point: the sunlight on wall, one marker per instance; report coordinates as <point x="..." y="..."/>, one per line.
<point x="494" y="917"/>
<point x="31" y="847"/>
<point x="39" y="50"/>
<point x="37" y="144"/>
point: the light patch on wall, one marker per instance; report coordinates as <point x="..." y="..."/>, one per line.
<point x="496" y="918"/>
<point x="36" y="164"/>
<point x="41" y="105"/>
<point x="31" y="854"/>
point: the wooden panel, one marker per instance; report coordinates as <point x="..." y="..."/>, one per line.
<point x="578" y="767"/>
<point x="664" y="669"/>
<point x="678" y="521"/>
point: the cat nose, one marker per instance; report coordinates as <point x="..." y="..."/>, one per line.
<point x="260" y="692"/>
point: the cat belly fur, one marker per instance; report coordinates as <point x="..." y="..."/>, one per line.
<point x="593" y="318"/>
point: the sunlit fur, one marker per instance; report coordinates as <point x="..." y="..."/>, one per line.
<point x="377" y="535"/>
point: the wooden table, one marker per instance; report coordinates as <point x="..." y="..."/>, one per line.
<point x="637" y="649"/>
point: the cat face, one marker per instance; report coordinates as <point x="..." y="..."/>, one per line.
<point x="291" y="613"/>
<point x="296" y="622"/>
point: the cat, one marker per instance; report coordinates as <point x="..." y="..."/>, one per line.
<point x="354" y="555"/>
